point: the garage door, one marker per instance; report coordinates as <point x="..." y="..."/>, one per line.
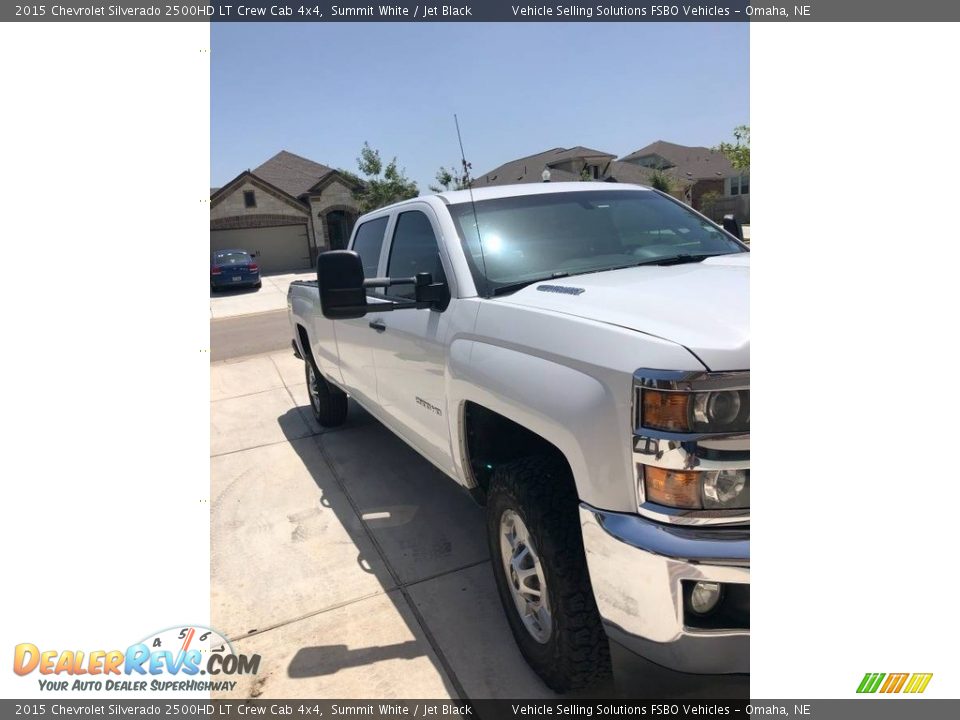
<point x="276" y="248"/>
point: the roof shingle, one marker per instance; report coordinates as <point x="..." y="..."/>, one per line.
<point x="530" y="168"/>
<point x="698" y="163"/>
<point x="291" y="173"/>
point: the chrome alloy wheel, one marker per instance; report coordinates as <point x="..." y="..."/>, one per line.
<point x="524" y="573"/>
<point x="312" y="387"/>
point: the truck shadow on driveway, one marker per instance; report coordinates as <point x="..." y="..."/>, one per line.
<point x="326" y="659"/>
<point x="424" y="540"/>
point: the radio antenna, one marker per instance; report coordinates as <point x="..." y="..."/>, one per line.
<point x="473" y="205"/>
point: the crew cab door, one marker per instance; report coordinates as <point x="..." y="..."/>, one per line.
<point x="354" y="337"/>
<point x="410" y="347"/>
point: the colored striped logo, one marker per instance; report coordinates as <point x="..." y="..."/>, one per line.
<point x="894" y="682"/>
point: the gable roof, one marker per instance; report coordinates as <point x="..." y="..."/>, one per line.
<point x="696" y="162"/>
<point x="687" y="165"/>
<point x="580" y="152"/>
<point x="529" y="168"/>
<point x="248" y="177"/>
<point x="629" y="173"/>
<point x="291" y="173"/>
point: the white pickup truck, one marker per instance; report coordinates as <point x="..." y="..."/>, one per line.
<point x="576" y="355"/>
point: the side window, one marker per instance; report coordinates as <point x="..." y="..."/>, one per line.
<point x="414" y="250"/>
<point x="367" y="242"/>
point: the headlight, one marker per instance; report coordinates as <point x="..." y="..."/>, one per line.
<point x="696" y="412"/>
<point x="726" y="489"/>
<point x="697" y="490"/>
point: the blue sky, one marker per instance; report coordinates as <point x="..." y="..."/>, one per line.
<point x="519" y="88"/>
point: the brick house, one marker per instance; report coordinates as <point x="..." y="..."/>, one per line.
<point x="695" y="172"/>
<point x="284" y="212"/>
<point x="704" y="172"/>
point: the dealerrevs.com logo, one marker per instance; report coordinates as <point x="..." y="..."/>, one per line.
<point x="181" y="659"/>
<point x="894" y="683"/>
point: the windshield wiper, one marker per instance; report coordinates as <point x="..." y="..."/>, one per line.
<point x="513" y="287"/>
<point x="676" y="259"/>
<point x="673" y="260"/>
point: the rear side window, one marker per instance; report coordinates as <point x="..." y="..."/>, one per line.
<point x="414" y="250"/>
<point x="367" y="242"/>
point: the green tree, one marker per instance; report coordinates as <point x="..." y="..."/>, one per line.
<point x="708" y="201"/>
<point x="379" y="184"/>
<point x="659" y="180"/>
<point x="738" y="153"/>
<point x="451" y="179"/>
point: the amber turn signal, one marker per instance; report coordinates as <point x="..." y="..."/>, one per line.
<point x="673" y="488"/>
<point x="666" y="410"/>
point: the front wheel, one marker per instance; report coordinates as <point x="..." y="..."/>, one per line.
<point x="539" y="566"/>
<point x="329" y="403"/>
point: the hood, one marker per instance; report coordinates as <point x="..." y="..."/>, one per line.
<point x="703" y="306"/>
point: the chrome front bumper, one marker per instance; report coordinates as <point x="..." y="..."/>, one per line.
<point x="637" y="567"/>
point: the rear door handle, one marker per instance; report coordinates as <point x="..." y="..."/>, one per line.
<point x="378" y="325"/>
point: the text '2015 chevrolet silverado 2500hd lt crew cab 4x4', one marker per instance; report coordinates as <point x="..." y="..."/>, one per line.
<point x="577" y="356"/>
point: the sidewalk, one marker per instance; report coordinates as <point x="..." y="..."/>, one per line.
<point x="247" y="301"/>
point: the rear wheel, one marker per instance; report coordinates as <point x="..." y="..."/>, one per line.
<point x="329" y="403"/>
<point x="538" y="562"/>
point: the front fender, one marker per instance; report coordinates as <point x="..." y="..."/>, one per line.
<point x="569" y="381"/>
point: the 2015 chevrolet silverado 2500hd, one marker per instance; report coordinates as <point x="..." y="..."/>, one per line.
<point x="577" y="356"/>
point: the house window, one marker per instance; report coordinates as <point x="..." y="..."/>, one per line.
<point x="740" y="185"/>
<point x="249" y="199"/>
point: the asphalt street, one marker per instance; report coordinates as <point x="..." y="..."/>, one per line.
<point x="249" y="335"/>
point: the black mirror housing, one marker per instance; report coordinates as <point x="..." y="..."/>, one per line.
<point x="340" y="281"/>
<point x="343" y="289"/>
<point x="733" y="226"/>
<point x="436" y="296"/>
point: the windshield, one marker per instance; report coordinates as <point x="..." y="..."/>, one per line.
<point x="532" y="237"/>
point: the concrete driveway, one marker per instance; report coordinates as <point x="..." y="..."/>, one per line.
<point x="351" y="565"/>
<point x="272" y="295"/>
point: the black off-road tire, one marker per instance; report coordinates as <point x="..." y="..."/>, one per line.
<point x="329" y="403"/>
<point x="541" y="491"/>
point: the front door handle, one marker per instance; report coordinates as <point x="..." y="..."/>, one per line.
<point x="378" y="325"/>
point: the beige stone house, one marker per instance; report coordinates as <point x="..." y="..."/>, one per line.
<point x="284" y="212"/>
